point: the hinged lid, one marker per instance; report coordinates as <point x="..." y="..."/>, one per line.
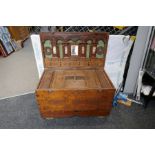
<point x="74" y="49"/>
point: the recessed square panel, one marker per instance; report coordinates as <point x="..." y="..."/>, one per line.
<point x="74" y="50"/>
<point x="75" y="79"/>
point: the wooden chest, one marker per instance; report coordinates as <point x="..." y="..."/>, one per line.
<point x="74" y="82"/>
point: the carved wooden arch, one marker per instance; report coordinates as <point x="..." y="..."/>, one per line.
<point x="83" y="46"/>
<point x="83" y="36"/>
<point x="103" y="50"/>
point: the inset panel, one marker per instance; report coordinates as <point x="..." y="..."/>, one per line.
<point x="74" y="50"/>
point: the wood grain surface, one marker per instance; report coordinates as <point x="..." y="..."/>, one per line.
<point x="74" y="85"/>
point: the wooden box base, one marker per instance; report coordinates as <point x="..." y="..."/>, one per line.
<point x="66" y="92"/>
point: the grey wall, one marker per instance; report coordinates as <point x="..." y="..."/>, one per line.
<point x="137" y="58"/>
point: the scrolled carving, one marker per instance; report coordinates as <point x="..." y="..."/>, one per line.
<point x="90" y="45"/>
<point x="100" y="50"/>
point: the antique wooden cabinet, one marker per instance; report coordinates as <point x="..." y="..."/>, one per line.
<point x="74" y="82"/>
<point x="19" y="32"/>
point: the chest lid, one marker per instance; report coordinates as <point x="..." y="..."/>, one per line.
<point x="74" y="49"/>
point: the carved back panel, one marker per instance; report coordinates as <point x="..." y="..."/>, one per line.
<point x="74" y="49"/>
